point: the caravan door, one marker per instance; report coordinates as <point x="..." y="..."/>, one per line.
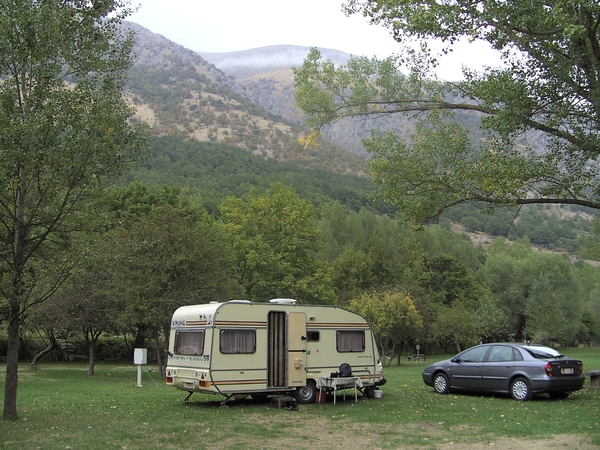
<point x="296" y="349"/>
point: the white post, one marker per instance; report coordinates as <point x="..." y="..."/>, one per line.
<point x="140" y="357"/>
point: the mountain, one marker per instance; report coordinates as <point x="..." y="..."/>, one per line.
<point x="266" y="73"/>
<point x="178" y="92"/>
<point x="245" y="100"/>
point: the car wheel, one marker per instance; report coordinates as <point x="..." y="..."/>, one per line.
<point x="520" y="389"/>
<point x="441" y="385"/>
<point x="559" y="395"/>
<point x="306" y="394"/>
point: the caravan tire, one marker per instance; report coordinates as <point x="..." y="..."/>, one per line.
<point x="306" y="394"/>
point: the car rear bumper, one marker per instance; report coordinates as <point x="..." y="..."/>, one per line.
<point x="557" y="384"/>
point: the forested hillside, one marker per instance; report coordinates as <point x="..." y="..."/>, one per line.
<point x="216" y="171"/>
<point x="248" y="104"/>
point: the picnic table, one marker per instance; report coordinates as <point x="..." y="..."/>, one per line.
<point x="594" y="378"/>
<point x="417" y="357"/>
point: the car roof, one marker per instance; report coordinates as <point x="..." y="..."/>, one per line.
<point x="536" y="348"/>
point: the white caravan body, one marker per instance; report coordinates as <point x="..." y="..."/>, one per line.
<point x="239" y="347"/>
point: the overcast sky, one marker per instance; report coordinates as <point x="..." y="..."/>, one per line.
<point x="232" y="25"/>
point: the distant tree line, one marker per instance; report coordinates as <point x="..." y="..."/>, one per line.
<point x="162" y="248"/>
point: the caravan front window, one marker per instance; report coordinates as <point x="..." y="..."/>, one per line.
<point x="189" y="342"/>
<point x="238" y="341"/>
<point x="351" y="341"/>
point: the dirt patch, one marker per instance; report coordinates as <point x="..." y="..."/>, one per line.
<point x="340" y="435"/>
<point x="551" y="442"/>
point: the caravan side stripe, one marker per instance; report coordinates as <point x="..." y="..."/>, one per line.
<point x="232" y="382"/>
<point x="337" y="325"/>
<point x="240" y="323"/>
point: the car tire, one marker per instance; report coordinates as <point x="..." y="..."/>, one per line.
<point x="520" y="389"/>
<point x="441" y="384"/>
<point x="306" y="394"/>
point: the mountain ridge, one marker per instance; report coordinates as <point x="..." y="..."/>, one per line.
<point x="177" y="92"/>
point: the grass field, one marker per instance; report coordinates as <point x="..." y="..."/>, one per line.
<point x="61" y="408"/>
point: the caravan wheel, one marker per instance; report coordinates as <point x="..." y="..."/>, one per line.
<point x="306" y="394"/>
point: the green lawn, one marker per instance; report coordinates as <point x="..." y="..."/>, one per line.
<point x="61" y="408"/>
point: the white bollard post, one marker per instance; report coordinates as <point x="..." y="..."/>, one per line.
<point x="140" y="357"/>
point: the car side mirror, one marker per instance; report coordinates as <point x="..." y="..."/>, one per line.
<point x="455" y="360"/>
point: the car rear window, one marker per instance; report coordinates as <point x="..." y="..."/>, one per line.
<point x="544" y="353"/>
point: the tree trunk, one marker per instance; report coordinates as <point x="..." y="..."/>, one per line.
<point x="36" y="358"/>
<point x="140" y="338"/>
<point x="161" y="367"/>
<point x="16" y="297"/>
<point x="458" y="350"/>
<point x="91" y="351"/>
<point x="167" y="333"/>
<point x="399" y="355"/>
<point x="12" y="362"/>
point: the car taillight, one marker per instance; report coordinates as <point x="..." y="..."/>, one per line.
<point x="580" y="368"/>
<point x="169" y="379"/>
<point x="548" y="369"/>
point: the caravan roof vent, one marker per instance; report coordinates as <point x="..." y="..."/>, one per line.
<point x="283" y="301"/>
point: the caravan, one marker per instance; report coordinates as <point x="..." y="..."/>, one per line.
<point x="239" y="348"/>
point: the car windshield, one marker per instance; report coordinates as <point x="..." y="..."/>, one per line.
<point x="544" y="352"/>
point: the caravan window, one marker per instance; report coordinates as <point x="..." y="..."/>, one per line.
<point x="238" y="341"/>
<point x="351" y="341"/>
<point x="313" y="336"/>
<point x="189" y="342"/>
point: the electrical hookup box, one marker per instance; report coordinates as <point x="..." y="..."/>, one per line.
<point x="140" y="356"/>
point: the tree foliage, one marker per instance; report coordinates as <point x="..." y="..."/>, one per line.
<point x="394" y="318"/>
<point x="275" y="238"/>
<point x="219" y="170"/>
<point x="64" y="132"/>
<point x="167" y="251"/>
<point x="540" y="112"/>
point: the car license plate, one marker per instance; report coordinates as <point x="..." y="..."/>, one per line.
<point x="566" y="371"/>
<point x="188" y="385"/>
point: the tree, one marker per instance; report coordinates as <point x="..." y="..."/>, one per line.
<point x="86" y="303"/>
<point x="64" y="133"/>
<point x="449" y="281"/>
<point x="512" y="272"/>
<point x="455" y="324"/>
<point x="353" y="273"/>
<point x="276" y="238"/>
<point x="491" y="321"/>
<point x="547" y="91"/>
<point x="546" y="320"/>
<point x="175" y="255"/>
<point x="393" y="317"/>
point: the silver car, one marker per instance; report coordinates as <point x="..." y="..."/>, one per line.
<point x="520" y="370"/>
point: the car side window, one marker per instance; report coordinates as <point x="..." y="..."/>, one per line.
<point x="475" y="354"/>
<point x="500" y="353"/>
<point x="517" y="354"/>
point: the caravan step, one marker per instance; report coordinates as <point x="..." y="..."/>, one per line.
<point x="285" y="402"/>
